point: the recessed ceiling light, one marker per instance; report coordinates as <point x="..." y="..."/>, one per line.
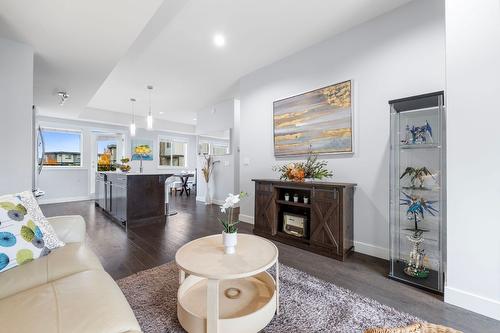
<point x="161" y="112"/>
<point x="194" y="119"/>
<point x="219" y="40"/>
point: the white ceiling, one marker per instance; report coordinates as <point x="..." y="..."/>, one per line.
<point x="78" y="43"/>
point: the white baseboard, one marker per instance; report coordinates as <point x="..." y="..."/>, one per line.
<point x="482" y="305"/>
<point x="43" y="201"/>
<point x="371" y="250"/>
<point x="246" y="218"/>
<point x="214" y="201"/>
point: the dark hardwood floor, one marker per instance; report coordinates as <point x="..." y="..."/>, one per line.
<point x="123" y="254"/>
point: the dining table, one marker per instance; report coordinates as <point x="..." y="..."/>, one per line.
<point x="184" y="177"/>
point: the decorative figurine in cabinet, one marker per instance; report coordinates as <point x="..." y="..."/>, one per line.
<point x="417" y="191"/>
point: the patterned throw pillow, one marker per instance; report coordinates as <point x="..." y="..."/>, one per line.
<point x="49" y="235"/>
<point x="21" y="240"/>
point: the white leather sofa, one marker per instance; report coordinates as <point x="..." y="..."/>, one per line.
<point x="67" y="291"/>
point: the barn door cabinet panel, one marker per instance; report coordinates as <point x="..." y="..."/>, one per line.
<point x="325" y="222"/>
<point x="265" y="209"/>
<point x="315" y="216"/>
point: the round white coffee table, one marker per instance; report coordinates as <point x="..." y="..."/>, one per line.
<point x="227" y="293"/>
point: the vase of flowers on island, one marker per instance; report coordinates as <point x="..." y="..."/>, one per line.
<point x="124" y="167"/>
<point x="309" y="170"/>
<point x="230" y="231"/>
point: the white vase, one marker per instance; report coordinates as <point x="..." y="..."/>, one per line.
<point x="208" y="198"/>
<point x="229" y="240"/>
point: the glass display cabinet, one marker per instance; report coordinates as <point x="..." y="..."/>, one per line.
<point x="417" y="191"/>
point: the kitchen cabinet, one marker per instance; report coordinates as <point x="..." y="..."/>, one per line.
<point x="132" y="199"/>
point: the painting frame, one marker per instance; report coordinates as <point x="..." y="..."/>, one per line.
<point x="138" y="142"/>
<point x="345" y="138"/>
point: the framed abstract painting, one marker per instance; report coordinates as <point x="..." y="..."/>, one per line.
<point x="142" y="148"/>
<point x="318" y="122"/>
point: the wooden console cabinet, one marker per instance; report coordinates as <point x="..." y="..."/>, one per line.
<point x="328" y="214"/>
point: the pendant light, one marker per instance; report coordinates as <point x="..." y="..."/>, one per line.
<point x="149" y="119"/>
<point x="132" y="125"/>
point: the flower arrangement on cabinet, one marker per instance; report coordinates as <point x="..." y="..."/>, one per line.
<point x="299" y="171"/>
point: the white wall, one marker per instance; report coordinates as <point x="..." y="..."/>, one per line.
<point x="220" y="117"/>
<point x="68" y="184"/>
<point x="152" y="166"/>
<point x="396" y="55"/>
<point x="16" y="100"/>
<point x="472" y="86"/>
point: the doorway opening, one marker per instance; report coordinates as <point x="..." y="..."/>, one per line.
<point x="107" y="150"/>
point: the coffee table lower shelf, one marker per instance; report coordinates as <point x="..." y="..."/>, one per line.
<point x="248" y="309"/>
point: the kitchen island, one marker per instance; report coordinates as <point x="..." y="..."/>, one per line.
<point x="132" y="199"/>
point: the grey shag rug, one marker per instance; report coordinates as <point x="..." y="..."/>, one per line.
<point x="307" y="304"/>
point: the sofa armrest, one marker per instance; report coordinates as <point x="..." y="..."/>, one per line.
<point x="69" y="228"/>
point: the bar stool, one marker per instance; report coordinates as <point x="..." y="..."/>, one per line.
<point x="169" y="183"/>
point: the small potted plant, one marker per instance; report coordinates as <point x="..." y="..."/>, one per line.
<point x="295" y="197"/>
<point x="287" y="197"/>
<point x="230" y="232"/>
<point x="306" y="199"/>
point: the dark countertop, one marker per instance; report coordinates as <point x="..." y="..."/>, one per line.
<point x="304" y="183"/>
<point x="156" y="173"/>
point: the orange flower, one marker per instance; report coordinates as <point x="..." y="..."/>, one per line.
<point x="295" y="173"/>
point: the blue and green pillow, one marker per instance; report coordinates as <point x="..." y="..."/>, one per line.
<point x="21" y="239"/>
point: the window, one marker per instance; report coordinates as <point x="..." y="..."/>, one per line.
<point x="62" y="148"/>
<point x="220" y="149"/>
<point x="204" y="148"/>
<point x="215" y="148"/>
<point x="172" y="152"/>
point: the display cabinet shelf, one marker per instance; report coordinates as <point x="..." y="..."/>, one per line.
<point x="285" y="236"/>
<point x="417" y="191"/>
<point x="292" y="203"/>
<point x="434" y="189"/>
<point x="420" y="146"/>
